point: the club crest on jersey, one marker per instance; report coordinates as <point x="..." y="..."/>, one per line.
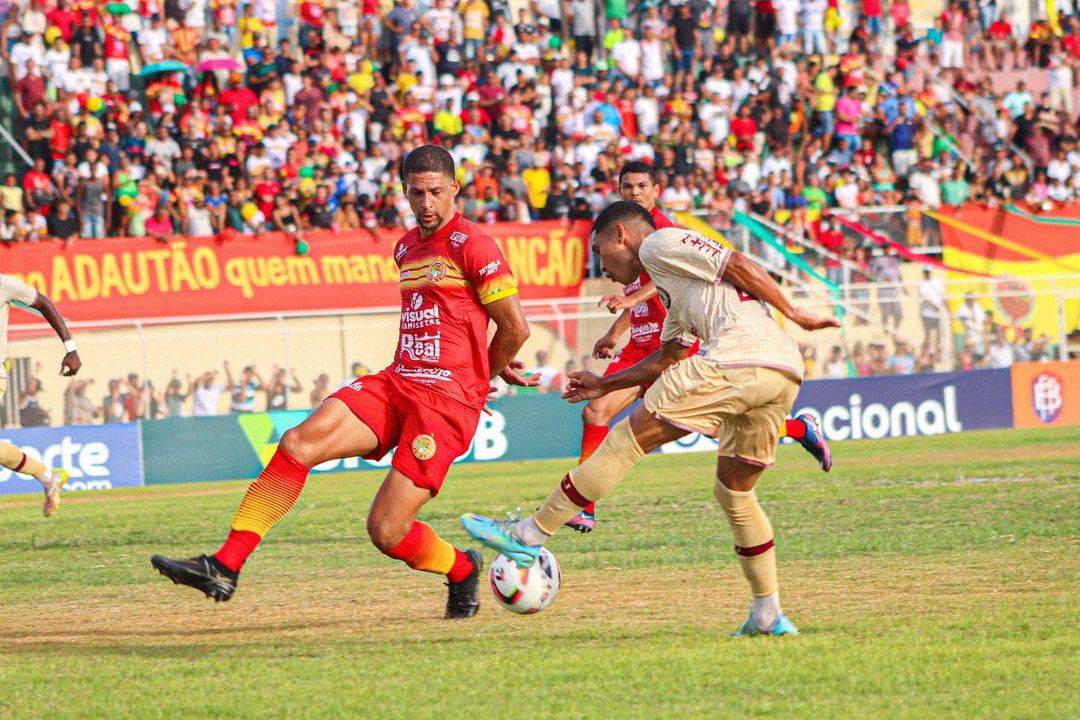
<point x="665" y="299"/>
<point x="458" y="239"/>
<point x="423" y="447"/>
<point x="437" y="271"/>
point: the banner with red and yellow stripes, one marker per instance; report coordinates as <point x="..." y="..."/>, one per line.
<point x="1032" y="267"/>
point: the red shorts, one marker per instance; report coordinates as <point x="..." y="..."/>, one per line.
<point x="629" y="355"/>
<point x="632" y="355"/>
<point x="429" y="429"/>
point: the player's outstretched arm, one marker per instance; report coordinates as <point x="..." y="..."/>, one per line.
<point x="71" y="362"/>
<point x="748" y="276"/>
<point x="605" y="346"/>
<point x="589" y="386"/>
<point x="511" y="332"/>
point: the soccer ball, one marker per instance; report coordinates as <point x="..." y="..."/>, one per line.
<point x="525" y="590"/>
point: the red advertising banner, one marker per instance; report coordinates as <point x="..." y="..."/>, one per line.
<point x="144" y="279"/>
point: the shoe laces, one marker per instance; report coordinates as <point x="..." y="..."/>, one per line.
<point x="512" y="519"/>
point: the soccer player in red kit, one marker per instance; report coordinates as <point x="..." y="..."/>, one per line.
<point x="426" y="403"/>
<point x="643" y="315"/>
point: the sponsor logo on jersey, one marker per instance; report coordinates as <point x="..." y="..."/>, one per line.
<point x="490" y="269"/>
<point x="640" y="310"/>
<point x="422" y="348"/>
<point x="644" y="330"/>
<point x="423" y="375"/>
<point x="400" y="252"/>
<point x="423" y="447"/>
<point x="458" y="239"/>
<point x="632" y="287"/>
<point x="1047" y="396"/>
<point x="356" y="385"/>
<point x="436" y="271"/>
<point x="419" y="316"/>
<point x="665" y="299"/>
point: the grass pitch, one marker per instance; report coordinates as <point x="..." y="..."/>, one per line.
<point x="931" y="578"/>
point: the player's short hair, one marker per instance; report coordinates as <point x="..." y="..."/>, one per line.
<point x="428" y="158"/>
<point x="639" y="167"/>
<point x="621" y="212"/>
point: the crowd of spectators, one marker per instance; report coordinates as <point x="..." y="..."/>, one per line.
<point x="200" y="117"/>
<point x="135" y="398"/>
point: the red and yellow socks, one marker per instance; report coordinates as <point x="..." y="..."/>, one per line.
<point x="268" y="499"/>
<point x="422" y="549"/>
<point x="591" y="437"/>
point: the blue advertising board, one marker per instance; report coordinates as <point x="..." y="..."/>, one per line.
<point x="896" y="405"/>
<point x="99" y="457"/>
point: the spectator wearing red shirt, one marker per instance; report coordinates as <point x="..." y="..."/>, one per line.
<point x="744" y="128"/>
<point x="117" y="63"/>
<point x="237" y="98"/>
<point x="38" y="188"/>
<point x="62" y="133"/>
<point x="64" y="19"/>
<point x="30" y="90"/>
<point x="871" y="10"/>
<point x="832" y="240"/>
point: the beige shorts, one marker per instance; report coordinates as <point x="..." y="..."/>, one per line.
<point x="743" y="408"/>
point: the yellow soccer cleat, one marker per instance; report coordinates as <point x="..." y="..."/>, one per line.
<point x="54" y="482"/>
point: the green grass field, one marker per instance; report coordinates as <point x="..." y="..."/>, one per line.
<point x="931" y="578"/>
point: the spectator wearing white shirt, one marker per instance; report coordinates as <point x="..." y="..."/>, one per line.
<point x="973" y="319"/>
<point x="787" y="21"/>
<point x="647" y="111"/>
<point x="677" y="197"/>
<point x="1000" y="353"/>
<point x="813" y="22"/>
<point x="932" y="306"/>
<point x="652" y="57"/>
<point x="627" y="57"/>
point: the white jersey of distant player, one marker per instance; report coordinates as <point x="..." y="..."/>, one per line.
<point x="736" y="329"/>
<point x="11" y="289"/>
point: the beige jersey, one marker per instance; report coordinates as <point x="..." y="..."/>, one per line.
<point x="736" y="329"/>
<point x="11" y="289"/>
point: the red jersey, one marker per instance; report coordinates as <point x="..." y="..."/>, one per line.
<point x="446" y="279"/>
<point x="647" y="318"/>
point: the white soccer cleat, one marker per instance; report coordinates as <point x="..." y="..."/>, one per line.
<point x="54" y="482"/>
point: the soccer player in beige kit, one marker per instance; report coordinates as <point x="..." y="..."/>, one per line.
<point x="739" y="389"/>
<point x="12" y="289"/>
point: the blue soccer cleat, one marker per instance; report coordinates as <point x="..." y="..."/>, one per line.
<point x="498" y="535"/>
<point x="783" y="626"/>
<point x="814" y="441"/>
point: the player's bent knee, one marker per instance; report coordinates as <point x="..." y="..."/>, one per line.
<point x="385" y="535"/>
<point x="594" y="414"/>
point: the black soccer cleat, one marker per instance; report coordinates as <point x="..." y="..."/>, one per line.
<point x="464" y="599"/>
<point x="202" y="573"/>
